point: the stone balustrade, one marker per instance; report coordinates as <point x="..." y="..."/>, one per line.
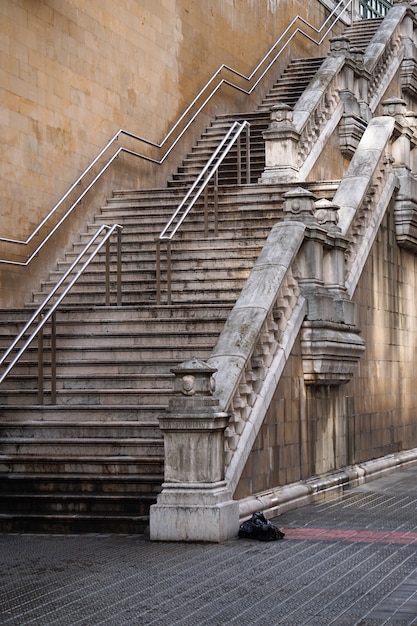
<point x="346" y="91"/>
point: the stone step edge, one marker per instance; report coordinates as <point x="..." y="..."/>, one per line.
<point x="106" y="425"/>
<point x="69" y="477"/>
<point x="82" y="407"/>
<point x="66" y="458"/>
<point x="104" y="516"/>
<point x="79" y="496"/>
<point x="69" y="441"/>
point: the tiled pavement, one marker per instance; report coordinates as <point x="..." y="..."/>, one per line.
<point x="348" y="562"/>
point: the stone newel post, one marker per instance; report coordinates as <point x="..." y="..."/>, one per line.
<point x="193" y="427"/>
<point x="404" y="155"/>
<point x="195" y="503"/>
<point x="330" y="341"/>
<point x="281" y="143"/>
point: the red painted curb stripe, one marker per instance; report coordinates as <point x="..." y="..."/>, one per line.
<point x="359" y="536"/>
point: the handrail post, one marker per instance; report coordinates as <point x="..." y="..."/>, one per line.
<point x="158" y="271"/>
<point x="169" y="300"/>
<point x="206" y="211"/>
<point x="53" y="358"/>
<point x="107" y="270"/>
<point x="216" y="202"/>
<point x="239" y="161"/>
<point x="119" y="267"/>
<point x="248" y="155"/>
<point x="40" y="363"/>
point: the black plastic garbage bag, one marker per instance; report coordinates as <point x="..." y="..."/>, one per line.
<point x="258" y="527"/>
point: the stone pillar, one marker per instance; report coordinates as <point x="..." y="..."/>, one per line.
<point x="405" y="139"/>
<point x="404" y="155"/>
<point x="408" y="70"/>
<point x="330" y="344"/>
<point x="195" y="503"/>
<point x="299" y="205"/>
<point x="281" y="143"/>
<point x="344" y="310"/>
<point x="340" y="45"/>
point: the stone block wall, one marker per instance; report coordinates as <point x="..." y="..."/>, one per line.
<point x="74" y="73"/>
<point x="311" y="430"/>
<point x="382" y="415"/>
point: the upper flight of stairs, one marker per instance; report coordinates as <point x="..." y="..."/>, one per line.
<point x="361" y="33"/>
<point x="287" y="90"/>
<point x="94" y="462"/>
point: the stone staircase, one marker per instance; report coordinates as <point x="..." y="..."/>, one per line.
<point x="287" y="89"/>
<point x="94" y="461"/>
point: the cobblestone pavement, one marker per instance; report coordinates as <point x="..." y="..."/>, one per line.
<point x="351" y="561"/>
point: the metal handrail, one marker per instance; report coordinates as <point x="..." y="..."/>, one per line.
<point x="43" y="314"/>
<point x="371" y="9"/>
<point x="336" y="14"/>
<point x="209" y="171"/>
<point x="230" y="138"/>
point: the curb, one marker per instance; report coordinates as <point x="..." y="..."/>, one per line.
<point x="277" y="501"/>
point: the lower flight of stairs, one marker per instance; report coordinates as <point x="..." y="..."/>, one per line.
<point x="94" y="461"/>
<point x="72" y="471"/>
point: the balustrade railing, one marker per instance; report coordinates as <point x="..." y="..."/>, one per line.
<point x="370" y="9"/>
<point x="268" y="346"/>
<point x="379" y="65"/>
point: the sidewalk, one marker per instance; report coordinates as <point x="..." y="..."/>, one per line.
<point x="349" y="562"/>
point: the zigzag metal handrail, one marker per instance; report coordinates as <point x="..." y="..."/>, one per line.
<point x="339" y="10"/>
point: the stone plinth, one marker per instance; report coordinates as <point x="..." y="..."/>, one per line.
<point x="330" y="352"/>
<point x="195" y="503"/>
<point x="281" y="144"/>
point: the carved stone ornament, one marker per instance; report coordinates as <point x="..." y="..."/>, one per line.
<point x="327" y="215"/>
<point x="299" y="204"/>
<point x="188" y="385"/>
<point x="194" y="377"/>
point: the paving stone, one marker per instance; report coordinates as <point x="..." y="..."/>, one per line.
<point x="347" y="562"/>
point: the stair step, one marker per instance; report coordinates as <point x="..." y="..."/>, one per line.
<point x="71" y="503"/>
<point x="90" y="380"/>
<point x="139" y="340"/>
<point x="81" y="464"/>
<point x="180" y="294"/>
<point x="49" y="429"/>
<point x="50" y="483"/>
<point x="86" y="396"/>
<point x="19" y="413"/>
<point x="143" y="328"/>
<point x="70" y="448"/>
<point x="66" y="524"/>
